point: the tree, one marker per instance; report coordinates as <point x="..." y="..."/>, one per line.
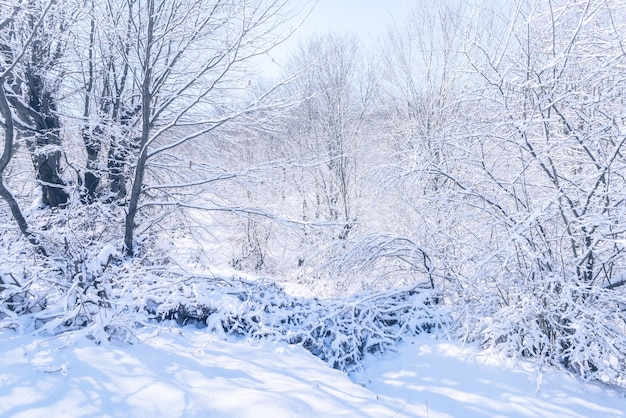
<point x="326" y="129"/>
<point x="32" y="87"/>
<point x="10" y="60"/>
<point x="110" y="98"/>
<point x="186" y="59"/>
<point x="541" y="178"/>
<point x="560" y="133"/>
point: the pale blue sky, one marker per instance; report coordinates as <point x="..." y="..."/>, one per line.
<point x="369" y="19"/>
<point x="360" y="16"/>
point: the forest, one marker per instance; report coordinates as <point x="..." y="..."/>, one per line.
<point x="465" y="175"/>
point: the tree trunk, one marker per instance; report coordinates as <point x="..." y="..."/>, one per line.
<point x="91" y="138"/>
<point x="140" y="169"/>
<point x="116" y="165"/>
<point x="92" y="178"/>
<point x="44" y="139"/>
<point x="5" y="158"/>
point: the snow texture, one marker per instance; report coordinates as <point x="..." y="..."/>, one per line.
<point x="186" y="372"/>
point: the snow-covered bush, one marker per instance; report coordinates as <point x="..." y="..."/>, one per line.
<point x="582" y="329"/>
<point x="22" y="280"/>
<point x="85" y="285"/>
<point x="16" y="297"/>
<point x="340" y="331"/>
<point x="378" y="261"/>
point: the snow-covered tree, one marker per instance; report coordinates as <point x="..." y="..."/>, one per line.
<point x="182" y="65"/>
<point x="542" y="164"/>
<point x="325" y="131"/>
<point x="33" y="46"/>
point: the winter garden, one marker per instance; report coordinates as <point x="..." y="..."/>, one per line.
<point x="465" y="178"/>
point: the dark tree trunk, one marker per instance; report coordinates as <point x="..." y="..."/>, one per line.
<point x="92" y="177"/>
<point x="45" y="142"/>
<point x="47" y="164"/>
<point x="116" y="165"/>
<point x="91" y="138"/>
<point x="5" y="158"/>
<point x="43" y="136"/>
<point x="140" y="168"/>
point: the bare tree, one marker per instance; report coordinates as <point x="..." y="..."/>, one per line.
<point x="186" y="62"/>
<point x="560" y="131"/>
<point x="110" y="98"/>
<point x="10" y="60"/>
<point x="541" y="177"/>
<point x="33" y="85"/>
<point x="326" y="129"/>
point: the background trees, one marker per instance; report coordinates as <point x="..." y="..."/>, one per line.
<point x="422" y="107"/>
<point x="338" y="91"/>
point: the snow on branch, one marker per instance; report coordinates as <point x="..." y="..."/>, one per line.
<point x="339" y="331"/>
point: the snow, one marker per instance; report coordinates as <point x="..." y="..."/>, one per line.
<point x="443" y="379"/>
<point x="189" y="372"/>
<point x="106" y="254"/>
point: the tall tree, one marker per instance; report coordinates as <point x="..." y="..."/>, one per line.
<point x="186" y="61"/>
<point x="33" y="85"/>
<point x="326" y="129"/>
<point x="110" y="104"/>
<point x="11" y="58"/>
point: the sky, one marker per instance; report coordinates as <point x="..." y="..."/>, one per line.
<point x="369" y="19"/>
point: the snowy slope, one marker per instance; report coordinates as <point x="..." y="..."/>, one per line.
<point x="187" y="372"/>
<point x="433" y="378"/>
<point x="184" y="374"/>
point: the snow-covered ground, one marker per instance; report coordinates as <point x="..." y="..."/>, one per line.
<point x="187" y="372"/>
